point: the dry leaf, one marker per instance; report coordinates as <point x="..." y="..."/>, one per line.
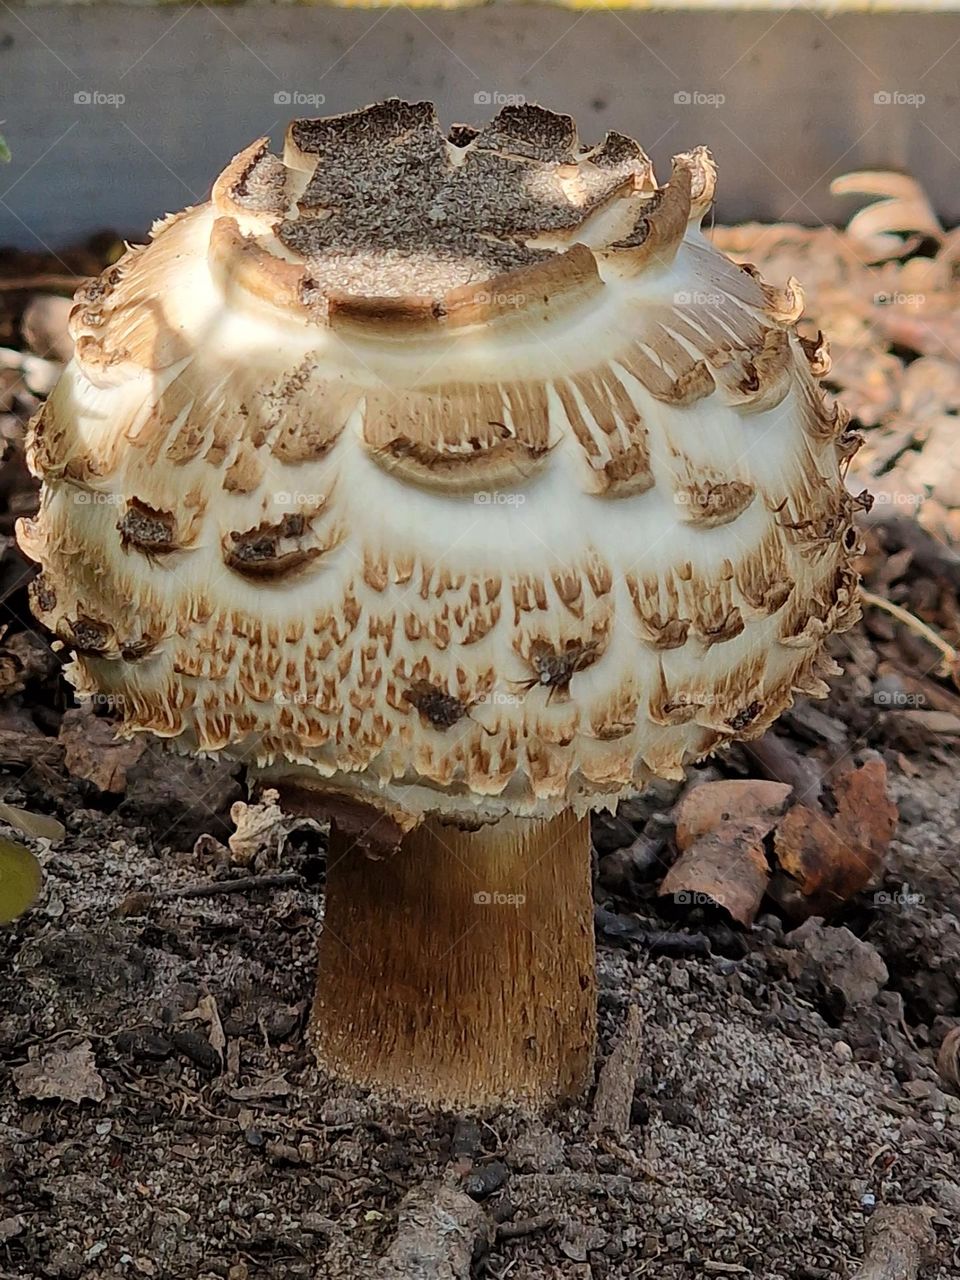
<point x="882" y="229"/>
<point x="727" y="866"/>
<point x="208" y="1012"/>
<point x="38" y="825"/>
<point x="258" y="826"/>
<point x="705" y="807"/>
<point x="93" y="752"/>
<point x="69" y="1075"/>
<point x="829" y="858"/>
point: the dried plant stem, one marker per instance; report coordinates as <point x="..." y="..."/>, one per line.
<point x="951" y="655"/>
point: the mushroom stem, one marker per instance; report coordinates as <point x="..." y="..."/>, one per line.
<point x="459" y="971"/>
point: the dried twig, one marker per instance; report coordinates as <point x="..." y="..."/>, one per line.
<point x="623" y="929"/>
<point x="242" y="884"/>
<point x="897" y="1242"/>
<point x="780" y="760"/>
<point x="526" y="1227"/>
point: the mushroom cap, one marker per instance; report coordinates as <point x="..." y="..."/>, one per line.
<point x="453" y="475"/>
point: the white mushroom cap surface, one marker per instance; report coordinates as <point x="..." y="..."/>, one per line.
<point x="453" y="475"/>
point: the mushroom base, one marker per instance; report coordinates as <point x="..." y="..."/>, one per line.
<point x="460" y="970"/>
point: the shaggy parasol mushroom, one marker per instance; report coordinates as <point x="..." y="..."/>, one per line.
<point x="458" y="486"/>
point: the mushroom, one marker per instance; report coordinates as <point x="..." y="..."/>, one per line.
<point x="457" y="486"/>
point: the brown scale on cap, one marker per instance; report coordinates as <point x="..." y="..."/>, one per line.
<point x="87" y="635"/>
<point x="146" y="529"/>
<point x="440" y="708"/>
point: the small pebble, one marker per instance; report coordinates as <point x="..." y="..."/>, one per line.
<point x="485" y="1179"/>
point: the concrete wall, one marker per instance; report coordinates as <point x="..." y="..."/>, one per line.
<point x="118" y="114"/>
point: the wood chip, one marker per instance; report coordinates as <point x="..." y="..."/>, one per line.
<point x="898" y="1240"/>
<point x="27" y="750"/>
<point x="941" y="724"/>
<point x="613" y="1101"/>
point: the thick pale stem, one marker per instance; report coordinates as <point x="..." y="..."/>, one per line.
<point x="460" y="970"/>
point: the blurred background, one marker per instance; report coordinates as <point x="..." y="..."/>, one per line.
<point x="115" y="114"/>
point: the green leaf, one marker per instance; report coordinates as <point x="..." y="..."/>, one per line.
<point x="4" y="150"/>
<point x="20" y="880"/>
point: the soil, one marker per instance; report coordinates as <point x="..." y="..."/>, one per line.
<point x="161" y="1115"/>
<point x="768" y="1121"/>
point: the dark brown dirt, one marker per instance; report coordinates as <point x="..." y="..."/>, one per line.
<point x="768" y="1118"/>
